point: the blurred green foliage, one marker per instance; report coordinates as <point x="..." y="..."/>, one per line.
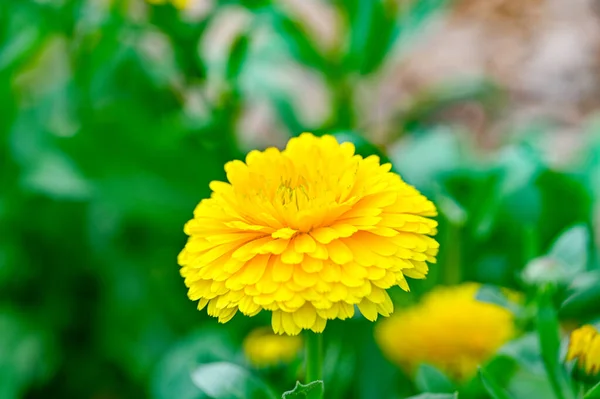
<point x="103" y="161"/>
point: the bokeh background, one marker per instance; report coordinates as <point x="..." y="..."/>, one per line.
<point x="115" y="116"/>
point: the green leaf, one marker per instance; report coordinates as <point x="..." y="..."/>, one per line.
<point x="361" y="12"/>
<point x="414" y="14"/>
<point x="171" y="378"/>
<point x="380" y="39"/>
<point x="376" y="25"/>
<point x="300" y="391"/>
<point x="28" y="355"/>
<point x="583" y="296"/>
<point x="548" y="328"/>
<point x="544" y="270"/>
<point x="450" y="208"/>
<point x="519" y="165"/>
<point x="430" y="379"/>
<point x="254" y="4"/>
<point x="436" y="396"/>
<point x="339" y="369"/>
<point x="567" y="258"/>
<point x="571" y="248"/>
<point x="548" y="333"/>
<point x="371" y="25"/>
<point x="287" y="112"/>
<point x="593" y="393"/>
<point x="493" y="294"/>
<point x="298" y="41"/>
<point x="24" y="36"/>
<point x="425" y="159"/>
<point x="56" y="176"/>
<point x="222" y="380"/>
<point x="518" y="367"/>
<point x="555" y="190"/>
<point x="237" y="57"/>
<point x="525" y="350"/>
<point x="519" y="197"/>
<point x="492" y="387"/>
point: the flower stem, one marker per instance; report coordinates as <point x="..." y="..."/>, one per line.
<point x="314" y="361"/>
<point x="453" y="272"/>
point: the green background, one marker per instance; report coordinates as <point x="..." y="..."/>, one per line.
<point x="104" y="156"/>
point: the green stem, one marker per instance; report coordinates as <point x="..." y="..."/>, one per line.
<point x="314" y="361"/>
<point x="453" y="272"/>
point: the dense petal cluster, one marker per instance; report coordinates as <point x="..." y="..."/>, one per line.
<point x="306" y="233"/>
<point x="585" y="347"/>
<point x="265" y="349"/>
<point x="449" y="329"/>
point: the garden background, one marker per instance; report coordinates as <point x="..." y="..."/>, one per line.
<point x="115" y="116"/>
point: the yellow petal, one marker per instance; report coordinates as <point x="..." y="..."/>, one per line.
<point x="276" y="322"/>
<point x="324" y="235"/>
<point x="331" y="272"/>
<point x="346" y="310"/>
<point x="305" y="317"/>
<point x="375" y="273"/>
<point x="344" y="230"/>
<point x="339" y="252"/>
<point x="247" y="305"/>
<point x="319" y="325"/>
<point x="275" y="247"/>
<point x="289" y="325"/>
<point x="351" y="280"/>
<point x="254" y="270"/>
<point x="368" y="309"/>
<point x="304" y="279"/>
<point x="320" y="252"/>
<point x="202" y="303"/>
<point x="338" y="293"/>
<point x="312" y="265"/>
<point x="290" y="255"/>
<point x="282" y="271"/>
<point x="295" y="302"/>
<point x="248" y="250"/>
<point x="592" y="363"/>
<point x="304" y="243"/>
<point x="227" y="314"/>
<point x="285" y="233"/>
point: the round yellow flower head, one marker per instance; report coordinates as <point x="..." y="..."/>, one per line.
<point x="449" y="329"/>
<point x="306" y="233"/>
<point x="265" y="349"/>
<point x="585" y="346"/>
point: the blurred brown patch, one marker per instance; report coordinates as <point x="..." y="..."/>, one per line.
<point x="546" y="53"/>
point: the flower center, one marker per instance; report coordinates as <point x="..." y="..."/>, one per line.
<point x="293" y="194"/>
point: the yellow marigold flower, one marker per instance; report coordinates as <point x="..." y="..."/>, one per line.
<point x="306" y="233"/>
<point x="265" y="349"/>
<point x="585" y="347"/>
<point x="449" y="329"/>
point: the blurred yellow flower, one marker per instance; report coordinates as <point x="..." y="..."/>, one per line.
<point x="306" y="233"/>
<point x="448" y="329"/>
<point x="180" y="4"/>
<point x="585" y="347"/>
<point x="265" y="349"/>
